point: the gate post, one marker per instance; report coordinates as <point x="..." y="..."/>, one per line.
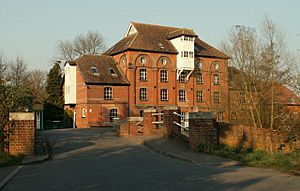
<point x="203" y="129"/>
<point x="168" y="121"/>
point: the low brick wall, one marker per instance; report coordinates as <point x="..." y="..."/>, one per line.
<point x="21" y="139"/>
<point x="256" y="138"/>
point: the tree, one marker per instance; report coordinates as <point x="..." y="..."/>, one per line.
<point x="91" y="43"/>
<point x="3" y="68"/>
<point x="37" y="84"/>
<point x="54" y="100"/>
<point x="18" y="72"/>
<point x="264" y="63"/>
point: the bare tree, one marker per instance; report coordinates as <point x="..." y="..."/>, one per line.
<point x="91" y="43"/>
<point x="3" y="67"/>
<point x="18" y="72"/>
<point x="264" y="63"/>
<point x="37" y="84"/>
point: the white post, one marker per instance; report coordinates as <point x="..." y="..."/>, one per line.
<point x="74" y="119"/>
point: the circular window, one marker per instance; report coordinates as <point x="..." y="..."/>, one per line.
<point x="217" y="66"/>
<point x="163" y="61"/>
<point x="124" y="60"/>
<point x="199" y="64"/>
<point x="143" y="60"/>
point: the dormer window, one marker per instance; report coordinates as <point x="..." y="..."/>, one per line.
<point x="112" y="71"/>
<point x="94" y="70"/>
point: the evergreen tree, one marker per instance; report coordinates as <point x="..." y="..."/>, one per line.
<point x="54" y="101"/>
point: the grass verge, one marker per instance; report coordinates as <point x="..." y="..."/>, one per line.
<point x="9" y="160"/>
<point x="289" y="162"/>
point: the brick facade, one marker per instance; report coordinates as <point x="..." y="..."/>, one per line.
<point x="21" y="138"/>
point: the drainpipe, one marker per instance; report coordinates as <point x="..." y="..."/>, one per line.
<point x="74" y="119"/>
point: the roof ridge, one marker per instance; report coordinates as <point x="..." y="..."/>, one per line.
<point x="151" y="24"/>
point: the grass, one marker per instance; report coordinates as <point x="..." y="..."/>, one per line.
<point x="280" y="161"/>
<point x="9" y="160"/>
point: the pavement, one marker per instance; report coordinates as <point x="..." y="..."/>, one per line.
<point x="96" y="159"/>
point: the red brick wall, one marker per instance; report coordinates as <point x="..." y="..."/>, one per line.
<point x="256" y="138"/>
<point x="91" y="98"/>
<point x="153" y="66"/>
<point x="21" y="139"/>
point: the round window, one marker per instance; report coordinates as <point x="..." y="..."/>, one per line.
<point x="143" y="60"/>
<point x="217" y="66"/>
<point x="163" y="61"/>
<point x="124" y="60"/>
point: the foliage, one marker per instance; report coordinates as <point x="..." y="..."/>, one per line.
<point x="265" y="65"/>
<point x="285" y="162"/>
<point x="54" y="100"/>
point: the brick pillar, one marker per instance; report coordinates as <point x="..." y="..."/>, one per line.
<point x="168" y="119"/>
<point x="148" y="125"/>
<point x="21" y="140"/>
<point x="202" y="129"/>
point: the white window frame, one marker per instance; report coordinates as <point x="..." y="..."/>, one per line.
<point x="216" y="79"/>
<point x="113" y="113"/>
<point x="143" y="74"/>
<point x="183" y="77"/>
<point x="83" y="112"/>
<point x="199" y="78"/>
<point x="163" y="75"/>
<point x="182" y="95"/>
<point x="108" y="93"/>
<point x="199" y="96"/>
<point x="216" y="95"/>
<point x="164" y="94"/>
<point x="143" y="94"/>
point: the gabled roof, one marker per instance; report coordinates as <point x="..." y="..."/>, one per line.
<point x="103" y="65"/>
<point x="156" y="38"/>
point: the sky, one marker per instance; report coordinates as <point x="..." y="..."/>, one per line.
<point x="31" y="28"/>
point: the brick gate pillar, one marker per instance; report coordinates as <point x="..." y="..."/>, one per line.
<point x="168" y="120"/>
<point x="21" y="140"/>
<point x="203" y="129"/>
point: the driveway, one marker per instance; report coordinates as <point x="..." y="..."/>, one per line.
<point x="96" y="159"/>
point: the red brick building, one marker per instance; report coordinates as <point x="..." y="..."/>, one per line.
<point x="166" y="67"/>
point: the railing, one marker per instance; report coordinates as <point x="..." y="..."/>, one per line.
<point x="184" y="129"/>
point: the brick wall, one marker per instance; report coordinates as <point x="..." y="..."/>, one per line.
<point x="202" y="129"/>
<point x="21" y="140"/>
<point x="256" y="138"/>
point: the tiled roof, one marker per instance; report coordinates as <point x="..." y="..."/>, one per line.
<point x="206" y="50"/>
<point x="282" y="95"/>
<point x="103" y="64"/>
<point x="156" y="38"/>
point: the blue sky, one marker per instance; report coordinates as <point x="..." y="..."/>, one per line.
<point x="31" y="28"/>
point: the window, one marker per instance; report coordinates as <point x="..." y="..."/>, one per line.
<point x="220" y="116"/>
<point x="181" y="53"/>
<point x="216" y="66"/>
<point x="143" y="94"/>
<point x="163" y="76"/>
<point x="216" y="96"/>
<point x="143" y="74"/>
<point x="143" y="60"/>
<point x="83" y="112"/>
<point x="164" y="95"/>
<point x="112" y="71"/>
<point x="242" y="97"/>
<point x="191" y="38"/>
<point x="199" y="65"/>
<point x="216" y="79"/>
<point x="199" y="78"/>
<point x="94" y="70"/>
<point x="182" y="95"/>
<point x="186" y="54"/>
<point x="191" y="54"/>
<point x="186" y="38"/>
<point x="113" y="113"/>
<point x="108" y="93"/>
<point x="199" y="96"/>
<point x="163" y="61"/>
<point x="182" y="77"/>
